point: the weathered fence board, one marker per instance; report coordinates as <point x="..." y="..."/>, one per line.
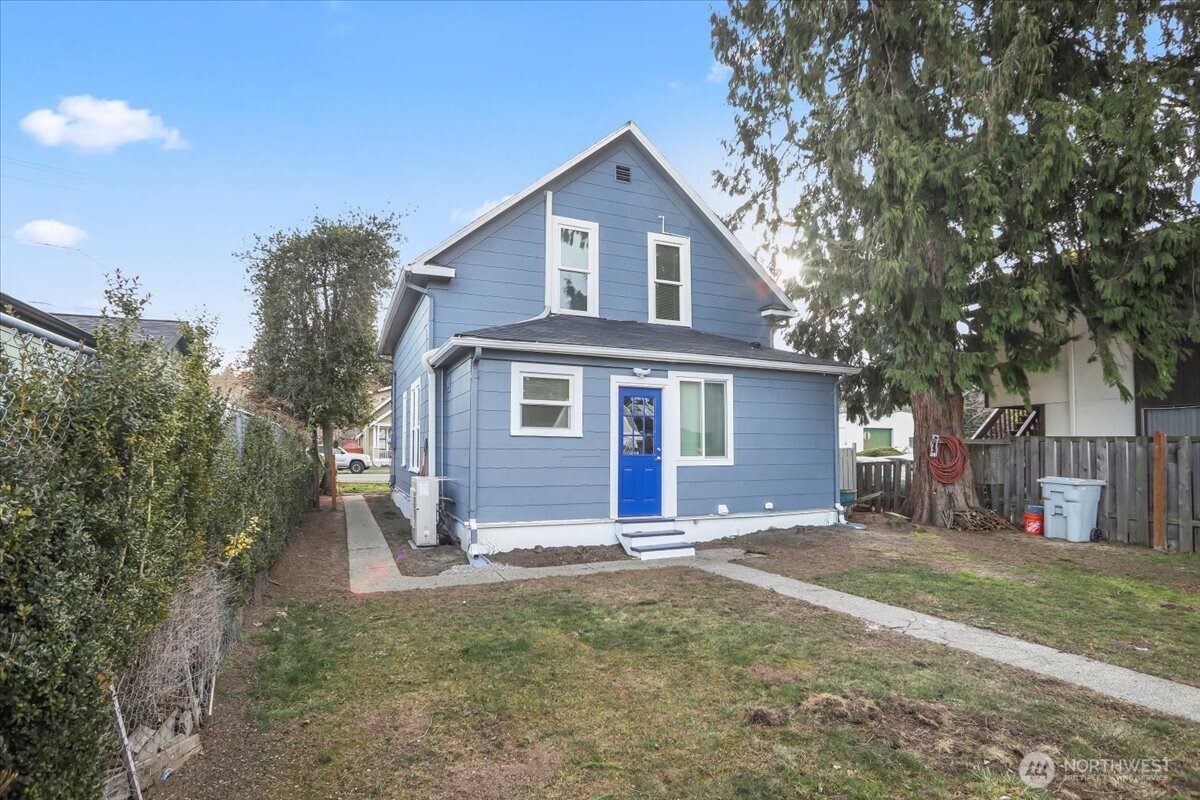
<point x="1007" y="471"/>
<point x="847" y="474"/>
<point x="890" y="478"/>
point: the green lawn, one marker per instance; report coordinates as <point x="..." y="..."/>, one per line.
<point x="1124" y="605"/>
<point x="350" y="487"/>
<point x="671" y="684"/>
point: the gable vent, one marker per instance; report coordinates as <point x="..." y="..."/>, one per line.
<point x="624" y="173"/>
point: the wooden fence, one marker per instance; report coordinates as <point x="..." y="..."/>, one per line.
<point x="888" y="481"/>
<point x="847" y="474"/>
<point x="1007" y="472"/>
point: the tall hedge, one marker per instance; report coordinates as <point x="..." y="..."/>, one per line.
<point x="119" y="479"/>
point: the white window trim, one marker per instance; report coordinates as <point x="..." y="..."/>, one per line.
<point x="670" y="440"/>
<point x="685" y="277"/>
<point x="414" y="425"/>
<point x="402" y="439"/>
<point x="677" y="408"/>
<point x="516" y="388"/>
<point x="552" y="269"/>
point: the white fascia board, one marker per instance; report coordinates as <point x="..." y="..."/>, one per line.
<point x="431" y="270"/>
<point x="789" y="313"/>
<point x="595" y="351"/>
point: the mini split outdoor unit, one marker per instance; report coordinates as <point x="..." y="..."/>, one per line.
<point x="424" y="511"/>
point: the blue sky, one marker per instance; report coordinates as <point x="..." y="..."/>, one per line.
<point x="253" y="115"/>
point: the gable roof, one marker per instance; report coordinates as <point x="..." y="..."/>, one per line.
<point x="617" y="338"/>
<point x="629" y="131"/>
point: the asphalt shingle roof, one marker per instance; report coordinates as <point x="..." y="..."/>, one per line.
<point x="595" y="332"/>
<point x="167" y="331"/>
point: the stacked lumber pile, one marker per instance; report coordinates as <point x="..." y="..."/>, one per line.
<point x="975" y="519"/>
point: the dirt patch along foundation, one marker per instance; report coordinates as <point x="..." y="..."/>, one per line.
<point x="412" y="561"/>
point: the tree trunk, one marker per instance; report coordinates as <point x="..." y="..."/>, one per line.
<point x="937" y="413"/>
<point x="331" y="465"/>
<point x="316" y="471"/>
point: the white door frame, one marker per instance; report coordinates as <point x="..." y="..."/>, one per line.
<point x="669" y="425"/>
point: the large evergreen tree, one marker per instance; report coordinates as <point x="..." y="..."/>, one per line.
<point x="316" y="292"/>
<point x="967" y="184"/>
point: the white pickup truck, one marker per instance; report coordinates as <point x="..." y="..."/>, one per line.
<point x="355" y="462"/>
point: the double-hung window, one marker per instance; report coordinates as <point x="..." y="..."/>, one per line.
<point x="414" y="426"/>
<point x="546" y="400"/>
<point x="574" y="266"/>
<point x="670" y="278"/>
<point x="705" y="419"/>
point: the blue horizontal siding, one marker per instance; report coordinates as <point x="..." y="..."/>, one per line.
<point x="500" y="269"/>
<point x="407" y="367"/>
<point x="456" y="435"/>
<point x="784" y="448"/>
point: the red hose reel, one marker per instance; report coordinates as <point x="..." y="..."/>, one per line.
<point x="947" y="458"/>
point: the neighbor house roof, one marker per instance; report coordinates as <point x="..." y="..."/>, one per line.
<point x="425" y="266"/>
<point x="167" y="331"/>
<point x="571" y="334"/>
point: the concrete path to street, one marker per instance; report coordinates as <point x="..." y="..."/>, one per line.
<point x="372" y="569"/>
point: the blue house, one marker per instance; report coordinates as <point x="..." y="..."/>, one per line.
<point x="590" y="362"/>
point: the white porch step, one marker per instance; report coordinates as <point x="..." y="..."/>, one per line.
<point x="647" y="545"/>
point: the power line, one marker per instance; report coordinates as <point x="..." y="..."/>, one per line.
<point x="37" y="165"/>
<point x="44" y="183"/>
<point x="79" y="250"/>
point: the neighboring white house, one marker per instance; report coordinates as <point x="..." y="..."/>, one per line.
<point x="894" y="430"/>
<point x="376" y="437"/>
<point x="1074" y="399"/>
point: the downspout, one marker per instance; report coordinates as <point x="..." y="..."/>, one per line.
<point x="837" y="451"/>
<point x="430" y="388"/>
<point x="473" y="454"/>
<point x="550" y="288"/>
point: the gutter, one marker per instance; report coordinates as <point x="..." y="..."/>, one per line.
<point x="455" y="342"/>
<point x="33" y="330"/>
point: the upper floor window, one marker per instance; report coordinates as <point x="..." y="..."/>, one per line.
<point x="670" y="278"/>
<point x="575" y="260"/>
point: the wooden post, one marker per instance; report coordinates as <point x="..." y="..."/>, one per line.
<point x="1160" y="491"/>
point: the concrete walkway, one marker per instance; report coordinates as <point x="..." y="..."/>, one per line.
<point x="372" y="569"/>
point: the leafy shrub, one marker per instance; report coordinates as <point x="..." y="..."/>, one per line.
<point x="120" y="480"/>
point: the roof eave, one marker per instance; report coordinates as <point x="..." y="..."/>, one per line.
<point x="454" y="343"/>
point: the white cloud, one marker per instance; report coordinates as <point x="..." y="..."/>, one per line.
<point x="483" y="208"/>
<point x="718" y="73"/>
<point x="674" y="85"/>
<point x="92" y="125"/>
<point x="50" y="231"/>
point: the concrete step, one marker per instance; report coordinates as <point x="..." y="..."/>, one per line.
<point x="648" y="552"/>
<point x="630" y="539"/>
<point x="657" y="543"/>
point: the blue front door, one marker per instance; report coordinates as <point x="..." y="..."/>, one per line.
<point x="639" y="443"/>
